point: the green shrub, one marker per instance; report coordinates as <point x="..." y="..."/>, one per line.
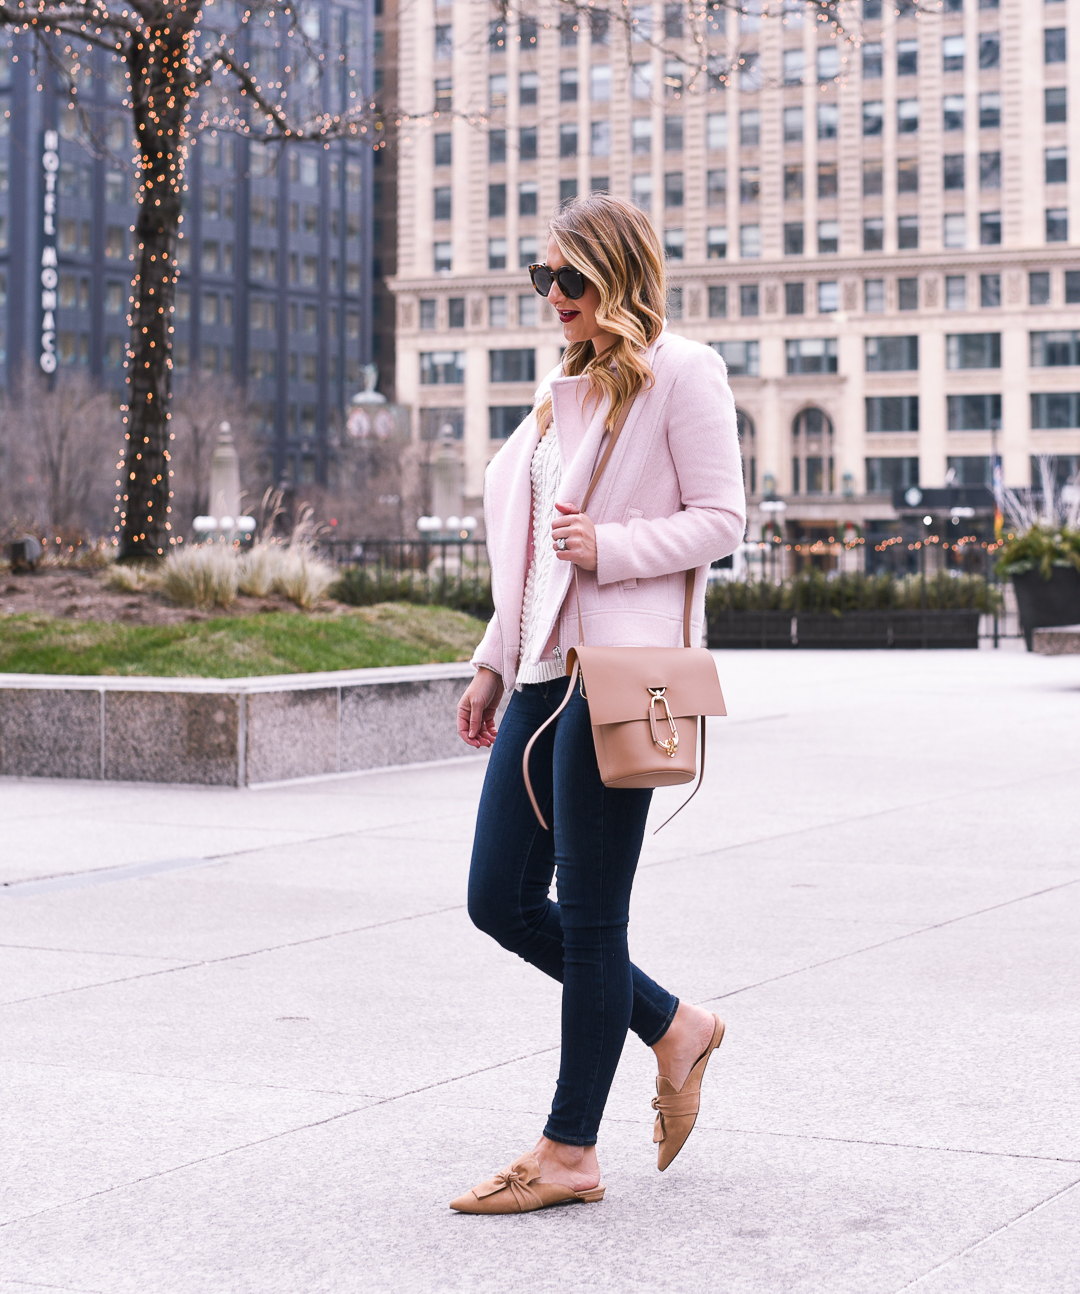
<point x="1040" y="548"/>
<point x="361" y="586"/>
<point x="812" y="591"/>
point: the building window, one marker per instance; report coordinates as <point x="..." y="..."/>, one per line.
<point x="1055" y="103"/>
<point x="496" y="147"/>
<point x="442" y="367"/>
<point x="828" y="296"/>
<point x="443" y="150"/>
<point x="1072" y="287"/>
<point x="641" y="191"/>
<point x="567" y="191"/>
<point x="892" y="354"/>
<point x="716" y="242"/>
<point x="674" y="244"/>
<point x="793" y="183"/>
<point x="673" y="134"/>
<point x="907" y="116"/>
<point x="528" y="89"/>
<point x="1039" y="288"/>
<point x="528" y="251"/>
<point x="827" y="186"/>
<point x="892" y="413"/>
<point x="497" y="90"/>
<point x="600" y="82"/>
<point x="953" y="166"/>
<point x="811" y="355"/>
<point x="990" y="228"/>
<point x="512" y="365"/>
<point x="973" y="412"/>
<point x="568" y="31"/>
<point x="874" y="296"/>
<point x="1057" y="165"/>
<point x="907" y="175"/>
<point x="568" y="139"/>
<point x="989" y="170"/>
<point x="741" y="357"/>
<point x="443" y="257"/>
<point x="828" y="237"/>
<point x="749" y="184"/>
<point x="1057" y="225"/>
<point x="793" y="125"/>
<point x="717" y="301"/>
<point x="956" y="292"/>
<point x="443" y="95"/>
<point x="977" y="349"/>
<point x="748" y="300"/>
<point x="528" y="192"/>
<point x="969" y="469"/>
<point x="989" y="291"/>
<point x="907" y="292"/>
<point x="496" y="253"/>
<point x="989" y="50"/>
<point x="568" y="83"/>
<point x="872" y="177"/>
<point x="750" y="128"/>
<point x="528" y="310"/>
<point x="716" y="130"/>
<point x="1055" y="349"/>
<point x="749" y="72"/>
<point x="497" y="313"/>
<point x="749" y="241"/>
<point x="442" y="203"/>
<point x="952" y="54"/>
<point x="828" y="121"/>
<point x="828" y="62"/>
<point x="953" y="112"/>
<point x="504" y="419"/>
<point x="641" y="80"/>
<point x="954" y="230"/>
<point x="526" y="144"/>
<point x="641" y="135"/>
<point x="883" y="475"/>
<point x="907" y="58"/>
<point x="812" y="436"/>
<point x="600" y="139"/>
<point x="793" y="239"/>
<point x="496" y="201"/>
<point x="907" y="232"/>
<point x="673" y="189"/>
<point x="1055" y="411"/>
<point x="1054" y="45"/>
<point x="989" y="111"/>
<point x="871" y="61"/>
<point x="794" y="63"/>
<point x="794" y="298"/>
<point x="716" y="188"/>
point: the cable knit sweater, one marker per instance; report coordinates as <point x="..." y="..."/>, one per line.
<point x="545" y="471"/>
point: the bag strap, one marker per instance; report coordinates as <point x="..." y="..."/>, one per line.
<point x="532" y="742"/>
<point x="688" y="598"/>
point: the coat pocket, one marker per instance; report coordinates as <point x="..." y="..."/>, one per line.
<point x="631" y="514"/>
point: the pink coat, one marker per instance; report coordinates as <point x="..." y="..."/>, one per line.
<point x="670" y="498"/>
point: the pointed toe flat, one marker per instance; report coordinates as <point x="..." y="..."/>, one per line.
<point x="677" y="1111"/>
<point x="518" y="1189"/>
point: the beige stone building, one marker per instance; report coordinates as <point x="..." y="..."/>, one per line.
<point x="877" y="228"/>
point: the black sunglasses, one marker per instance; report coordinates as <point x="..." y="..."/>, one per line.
<point x="572" y="283"/>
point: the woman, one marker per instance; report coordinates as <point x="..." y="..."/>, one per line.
<point x="670" y="499"/>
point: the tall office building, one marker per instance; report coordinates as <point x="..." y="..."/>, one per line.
<point x="877" y="229"/>
<point x="276" y="263"/>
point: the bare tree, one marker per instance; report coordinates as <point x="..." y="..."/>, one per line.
<point x="200" y="405"/>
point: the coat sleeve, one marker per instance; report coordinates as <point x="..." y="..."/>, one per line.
<point x="704" y="445"/>
<point x="489" y="652"/>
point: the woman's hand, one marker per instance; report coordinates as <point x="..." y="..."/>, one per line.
<point x="476" y="709"/>
<point x="580" y="536"/>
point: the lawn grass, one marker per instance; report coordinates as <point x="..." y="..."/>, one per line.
<point x="239" y="646"/>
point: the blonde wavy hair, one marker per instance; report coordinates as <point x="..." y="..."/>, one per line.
<point x="613" y="244"/>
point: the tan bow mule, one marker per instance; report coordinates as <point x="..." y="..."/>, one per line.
<point x="677" y="1111"/>
<point x="518" y="1189"/>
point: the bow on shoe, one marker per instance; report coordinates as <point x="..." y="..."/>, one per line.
<point x="515" y="1179"/>
<point x="672" y="1105"/>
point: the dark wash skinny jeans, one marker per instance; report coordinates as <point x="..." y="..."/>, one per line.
<point x="581" y="940"/>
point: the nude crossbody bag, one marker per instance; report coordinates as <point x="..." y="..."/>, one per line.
<point x="646" y="704"/>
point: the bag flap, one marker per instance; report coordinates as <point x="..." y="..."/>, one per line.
<point x="617" y="681"/>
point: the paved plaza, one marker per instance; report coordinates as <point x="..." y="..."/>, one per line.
<point x="250" y="1041"/>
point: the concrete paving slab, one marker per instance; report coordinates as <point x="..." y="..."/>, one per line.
<point x="1039" y="1250"/>
<point x="361" y="1203"/>
<point x="71" y="1131"/>
<point x="32" y="972"/>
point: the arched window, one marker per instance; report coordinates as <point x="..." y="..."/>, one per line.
<point x="747" y="448"/>
<point x="812" y="469"/>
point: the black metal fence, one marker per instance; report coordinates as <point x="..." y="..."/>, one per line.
<point x="445" y="572"/>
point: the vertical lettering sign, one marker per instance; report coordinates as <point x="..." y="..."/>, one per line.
<point x="50" y="164"/>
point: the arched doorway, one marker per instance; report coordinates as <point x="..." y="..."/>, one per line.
<point x="812" y="470"/>
<point x="748" y="449"/>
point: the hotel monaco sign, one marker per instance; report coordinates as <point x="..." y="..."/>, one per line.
<point x="50" y="165"/>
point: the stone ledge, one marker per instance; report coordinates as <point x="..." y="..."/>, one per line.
<point x="228" y="732"/>
<point x="1061" y="640"/>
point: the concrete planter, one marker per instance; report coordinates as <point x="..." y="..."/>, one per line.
<point x="228" y="732"/>
<point x="1046" y="603"/>
<point x="853" y="629"/>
